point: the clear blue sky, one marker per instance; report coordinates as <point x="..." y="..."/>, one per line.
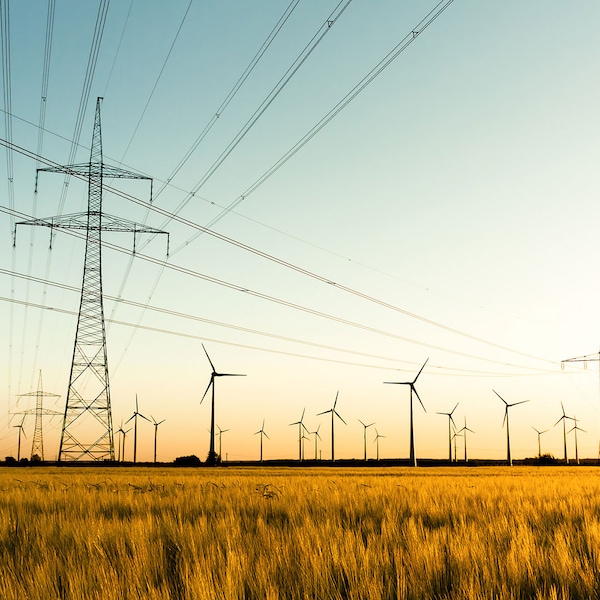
<point x="461" y="186"/>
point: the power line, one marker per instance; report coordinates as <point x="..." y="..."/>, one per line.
<point x="276" y="90"/>
<point x="355" y="91"/>
<point x="454" y="371"/>
<point x="288" y="304"/>
<point x="291" y="266"/>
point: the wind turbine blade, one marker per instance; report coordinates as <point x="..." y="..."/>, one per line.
<point x="499" y="396"/>
<point x="515" y="403"/>
<point x="325" y="412"/>
<point x="505" y="415"/>
<point x="557" y="422"/>
<point x="143" y="417"/>
<point x="335" y="412"/>
<point x="131" y="417"/>
<point x="302" y="417"/>
<point x="417" y="395"/>
<point x="210" y="361"/>
<point x="165" y="420"/>
<point x="136" y="403"/>
<point x="361" y="423"/>
<point x="336" y="399"/>
<point x="211" y="382"/>
<point x="229" y="375"/>
<point x="563" y="408"/>
<point x="398" y="382"/>
<point x="266" y="435"/>
<point x="417" y="377"/>
<point x="452" y="411"/>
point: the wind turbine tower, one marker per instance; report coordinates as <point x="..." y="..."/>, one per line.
<point x="87" y="431"/>
<point x="464" y="432"/>
<point x="135" y="416"/>
<point x="451" y="426"/>
<point x="262" y="433"/>
<point x="539" y="436"/>
<point x="506" y="422"/>
<point x="156" y="424"/>
<point x="564" y="420"/>
<point x="576" y="429"/>
<point x="413" y="457"/>
<point x="376" y="440"/>
<point x="37" y="445"/>
<point x="301" y="427"/>
<point x="365" y="427"/>
<point x="334" y="414"/>
<point x="220" y="434"/>
<point x="212" y="456"/>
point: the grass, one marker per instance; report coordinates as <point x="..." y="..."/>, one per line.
<point x="295" y="534"/>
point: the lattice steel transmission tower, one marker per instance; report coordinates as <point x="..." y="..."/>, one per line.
<point x="87" y="431"/>
<point x="37" y="444"/>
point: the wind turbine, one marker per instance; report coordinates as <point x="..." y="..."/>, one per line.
<point x="464" y="432"/>
<point x="539" y="434"/>
<point x="212" y="458"/>
<point x="576" y="429"/>
<point x="317" y="437"/>
<point x="451" y="425"/>
<point x="156" y="424"/>
<point x="123" y="433"/>
<point x="262" y="432"/>
<point x="457" y="434"/>
<point x="564" y="420"/>
<point x="134" y="416"/>
<point x="301" y="426"/>
<point x="334" y="413"/>
<point x="20" y="428"/>
<point x="376" y="440"/>
<point x="365" y="437"/>
<point x="413" y="458"/>
<point x="507" y="406"/>
<point x="221" y="432"/>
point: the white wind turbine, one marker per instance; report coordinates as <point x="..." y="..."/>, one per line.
<point x="334" y="414"/>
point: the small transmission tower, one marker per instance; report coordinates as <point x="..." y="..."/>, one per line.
<point x="37" y="445"/>
<point x="87" y="432"/>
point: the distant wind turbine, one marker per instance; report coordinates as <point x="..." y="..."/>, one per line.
<point x="334" y="414"/>
<point x="576" y="429"/>
<point x="564" y="420"/>
<point x="156" y="424"/>
<point x="301" y="429"/>
<point x="505" y="421"/>
<point x="212" y="457"/>
<point x="539" y="436"/>
<point x="20" y="428"/>
<point x="121" y="455"/>
<point x="317" y="437"/>
<point x="464" y="432"/>
<point x="220" y="434"/>
<point x="134" y="416"/>
<point x="262" y="433"/>
<point x="413" y="458"/>
<point x="451" y="426"/>
<point x="365" y="427"/>
<point x="376" y="440"/>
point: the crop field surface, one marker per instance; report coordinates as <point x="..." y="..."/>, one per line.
<point x="253" y="533"/>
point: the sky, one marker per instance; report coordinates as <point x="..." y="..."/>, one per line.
<point x="448" y="212"/>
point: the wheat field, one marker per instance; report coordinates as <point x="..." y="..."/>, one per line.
<point x="252" y="533"/>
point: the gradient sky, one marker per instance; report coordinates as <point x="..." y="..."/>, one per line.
<point x="460" y="186"/>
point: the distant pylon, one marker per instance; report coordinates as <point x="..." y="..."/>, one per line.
<point x="37" y="445"/>
<point x="87" y="432"/>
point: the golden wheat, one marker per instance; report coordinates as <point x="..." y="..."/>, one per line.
<point x="288" y="533"/>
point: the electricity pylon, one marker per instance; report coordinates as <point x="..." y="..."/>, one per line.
<point x="87" y="431"/>
<point x="37" y="445"/>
